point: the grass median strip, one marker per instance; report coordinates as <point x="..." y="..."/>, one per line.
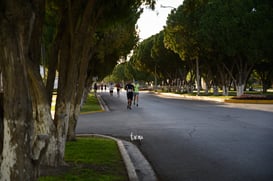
<point x="89" y="158"/>
<point x="91" y="104"/>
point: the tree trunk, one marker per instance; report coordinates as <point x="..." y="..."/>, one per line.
<point x="17" y="163"/>
<point x="52" y="68"/>
<point x="198" y="77"/>
<point x="80" y="53"/>
<point x="44" y="129"/>
<point x="1" y="124"/>
<point x="224" y="78"/>
<point x="67" y="83"/>
<point x="53" y="61"/>
<point x="244" y="70"/>
<point x="21" y="148"/>
<point x="73" y="119"/>
<point x="240" y="89"/>
<point x="66" y="87"/>
<point x="225" y="90"/>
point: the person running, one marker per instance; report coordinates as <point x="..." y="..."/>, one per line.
<point x="95" y="89"/>
<point x="118" y="88"/>
<point x="136" y="93"/>
<point x="130" y="93"/>
<point x="111" y="88"/>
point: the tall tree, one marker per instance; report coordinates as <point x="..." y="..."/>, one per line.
<point x="227" y="29"/>
<point x="181" y="33"/>
<point x="168" y="62"/>
<point x="23" y="142"/>
<point x="233" y="29"/>
<point x="27" y="124"/>
<point x="81" y="20"/>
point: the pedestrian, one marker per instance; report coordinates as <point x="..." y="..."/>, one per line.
<point x="95" y="89"/>
<point x="101" y="87"/>
<point x="130" y="93"/>
<point x="118" y="88"/>
<point x="111" y="88"/>
<point x="136" y="93"/>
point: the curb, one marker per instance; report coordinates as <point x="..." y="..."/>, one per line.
<point x="138" y="168"/>
<point x="125" y="156"/>
<point x="249" y="101"/>
<point x="103" y="106"/>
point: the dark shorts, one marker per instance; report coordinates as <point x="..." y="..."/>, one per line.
<point x="130" y="95"/>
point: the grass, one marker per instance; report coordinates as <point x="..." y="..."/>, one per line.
<point x="91" y="159"/>
<point x="91" y="105"/>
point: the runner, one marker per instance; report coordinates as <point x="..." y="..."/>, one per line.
<point x="95" y="89"/>
<point x="130" y="93"/>
<point x="118" y="88"/>
<point x="111" y="88"/>
<point x="136" y="93"/>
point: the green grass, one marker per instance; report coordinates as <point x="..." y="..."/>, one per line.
<point x="91" y="105"/>
<point x="93" y="159"/>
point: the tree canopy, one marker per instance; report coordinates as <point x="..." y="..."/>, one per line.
<point x="228" y="30"/>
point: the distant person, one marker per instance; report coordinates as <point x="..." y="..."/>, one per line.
<point x="130" y="93"/>
<point x="111" y="88"/>
<point x="118" y="88"/>
<point x="136" y="93"/>
<point x="101" y="87"/>
<point x="105" y="87"/>
<point x="95" y="88"/>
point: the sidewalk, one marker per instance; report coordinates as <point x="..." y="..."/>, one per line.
<point x="208" y="98"/>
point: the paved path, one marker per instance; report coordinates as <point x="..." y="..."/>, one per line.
<point x="193" y="140"/>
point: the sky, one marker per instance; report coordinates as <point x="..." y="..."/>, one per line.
<point x="152" y="22"/>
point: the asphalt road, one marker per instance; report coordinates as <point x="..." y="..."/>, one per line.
<point x="187" y="140"/>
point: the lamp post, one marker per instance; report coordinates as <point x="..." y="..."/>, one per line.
<point x="162" y="6"/>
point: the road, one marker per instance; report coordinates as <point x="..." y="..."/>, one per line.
<point x="187" y="140"/>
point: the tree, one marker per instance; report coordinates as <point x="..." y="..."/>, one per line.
<point x="81" y="20"/>
<point x="168" y="63"/>
<point x="230" y="30"/>
<point x="152" y="57"/>
<point x="181" y="33"/>
<point x="27" y="124"/>
<point x="233" y="28"/>
<point x="23" y="143"/>
<point x="265" y="73"/>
